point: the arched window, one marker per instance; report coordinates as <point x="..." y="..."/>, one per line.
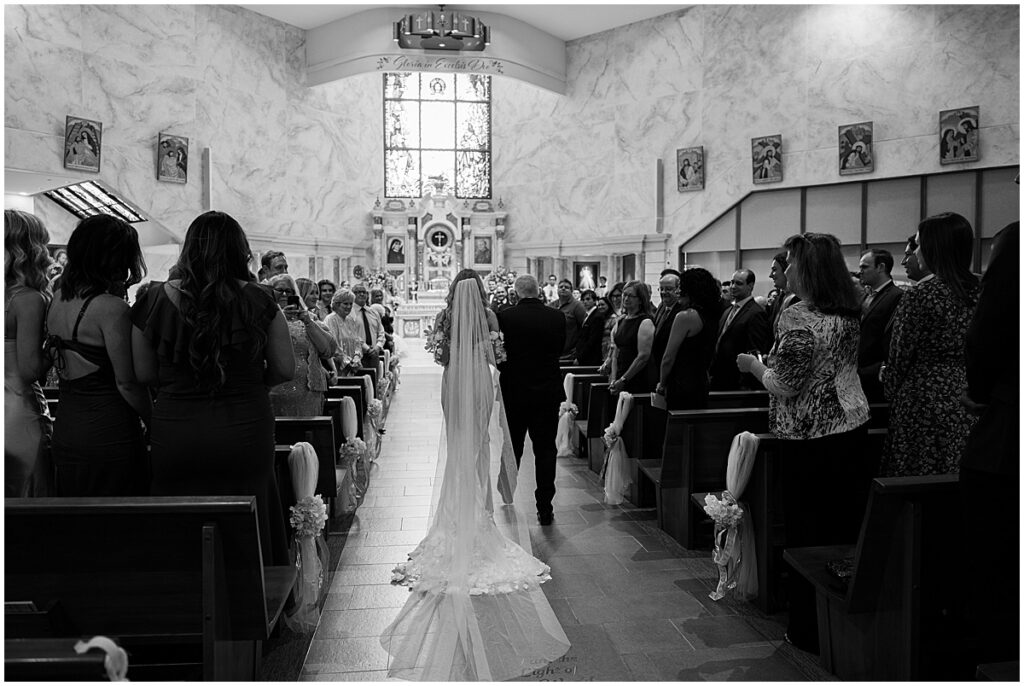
<point x="437" y="135"/>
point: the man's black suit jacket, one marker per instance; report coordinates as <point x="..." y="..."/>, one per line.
<point x="534" y="339"/>
<point x="875" y="331"/>
<point x="749" y="330"/>
<point x="588" y="345"/>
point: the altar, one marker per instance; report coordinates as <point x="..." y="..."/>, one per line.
<point x="424" y="243"/>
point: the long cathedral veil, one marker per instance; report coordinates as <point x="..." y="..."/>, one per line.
<point x="476" y="610"/>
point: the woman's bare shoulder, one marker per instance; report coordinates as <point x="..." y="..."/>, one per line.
<point x="492" y="320"/>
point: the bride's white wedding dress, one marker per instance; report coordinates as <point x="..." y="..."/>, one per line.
<point x="476" y="610"/>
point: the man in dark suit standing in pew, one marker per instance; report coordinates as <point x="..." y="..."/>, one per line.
<point x="743" y="328"/>
<point x="532" y="384"/>
<point x="588" y="347"/>
<point x="990" y="467"/>
<point x="876" y="319"/>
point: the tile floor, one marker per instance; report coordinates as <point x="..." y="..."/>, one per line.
<point x="633" y="603"/>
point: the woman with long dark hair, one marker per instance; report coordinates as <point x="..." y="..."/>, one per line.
<point x="926" y="371"/>
<point x="98" y="447"/>
<point x="817" y="404"/>
<point x="683" y="376"/>
<point x="27" y="425"/>
<point x="212" y="341"/>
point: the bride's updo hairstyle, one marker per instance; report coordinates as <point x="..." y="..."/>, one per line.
<point x="465" y="275"/>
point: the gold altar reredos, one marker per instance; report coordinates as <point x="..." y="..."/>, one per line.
<point x="424" y="243"/>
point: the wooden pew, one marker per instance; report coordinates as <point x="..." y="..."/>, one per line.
<point x="581" y="397"/>
<point x="355" y="391"/>
<point x="600" y="411"/>
<point x="374" y="377"/>
<point x="52" y="405"/>
<point x="896" y="620"/>
<point x="635" y="438"/>
<point x="318" y="432"/>
<point x="719" y="400"/>
<point x="577" y="369"/>
<point x="51" y="659"/>
<point x="764" y="499"/>
<point x="51" y="392"/>
<point x="179" y="581"/>
<point x="332" y="409"/>
<point x="693" y="459"/>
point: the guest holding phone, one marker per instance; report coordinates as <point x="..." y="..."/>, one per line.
<point x="303" y="395"/>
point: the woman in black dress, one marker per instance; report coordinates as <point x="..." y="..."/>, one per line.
<point x="632" y="338"/>
<point x="691" y="343"/>
<point x="212" y="341"/>
<point x="98" y="448"/>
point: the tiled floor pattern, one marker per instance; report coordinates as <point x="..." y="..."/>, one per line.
<point x="633" y="603"/>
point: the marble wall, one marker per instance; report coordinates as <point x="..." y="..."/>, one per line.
<point x="300" y="166"/>
<point x="297" y="166"/>
<point x="581" y="166"/>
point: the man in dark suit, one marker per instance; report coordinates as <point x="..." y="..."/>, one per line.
<point x="783" y="297"/>
<point x="588" y="345"/>
<point x="876" y="319"/>
<point x="743" y="328"/>
<point x="668" y="288"/>
<point x="532" y="384"/>
<point x="990" y="467"/>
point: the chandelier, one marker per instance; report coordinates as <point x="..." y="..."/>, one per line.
<point x="442" y="31"/>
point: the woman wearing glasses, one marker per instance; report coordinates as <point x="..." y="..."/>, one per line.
<point x="632" y="339"/>
<point x="303" y="395"/>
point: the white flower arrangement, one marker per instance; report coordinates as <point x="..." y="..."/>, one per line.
<point x="352" y="450"/>
<point x="375" y="407"/>
<point x="725" y="512"/>
<point x="567" y="406"/>
<point x="308" y="516"/>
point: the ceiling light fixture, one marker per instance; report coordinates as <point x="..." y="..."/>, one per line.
<point x="442" y="31"/>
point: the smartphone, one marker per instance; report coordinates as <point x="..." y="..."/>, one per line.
<point x="294" y="301"/>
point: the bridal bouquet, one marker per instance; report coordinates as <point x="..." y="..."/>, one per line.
<point x="352" y="451"/>
<point x="437" y="341"/>
<point x="498" y="344"/>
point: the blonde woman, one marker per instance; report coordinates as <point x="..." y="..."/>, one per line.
<point x="27" y="425"/>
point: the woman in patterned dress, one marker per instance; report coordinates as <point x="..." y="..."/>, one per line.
<point x="817" y="403"/>
<point x="926" y="372"/>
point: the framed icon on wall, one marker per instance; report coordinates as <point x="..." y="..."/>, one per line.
<point x="83" y="139"/>
<point x="483" y="250"/>
<point x="587" y="274"/>
<point x="766" y="157"/>
<point x="690" y="169"/>
<point x="856" y="155"/>
<point x="172" y="158"/>
<point x="958" y="135"/>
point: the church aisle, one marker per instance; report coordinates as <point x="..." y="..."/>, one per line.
<point x="633" y="603"/>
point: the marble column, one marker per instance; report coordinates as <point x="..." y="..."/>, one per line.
<point x="499" y="244"/>
<point x="378" y="242"/>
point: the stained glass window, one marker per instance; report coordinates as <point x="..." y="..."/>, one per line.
<point x="437" y="135"/>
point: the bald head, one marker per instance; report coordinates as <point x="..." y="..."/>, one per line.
<point x="526" y="286"/>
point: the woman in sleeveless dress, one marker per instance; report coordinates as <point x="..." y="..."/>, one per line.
<point x="632" y="339"/>
<point x="212" y="342"/>
<point x="303" y="395"/>
<point x="98" y="447"/>
<point x="27" y="425"/>
<point x="476" y="612"/>
<point x="683" y="376"/>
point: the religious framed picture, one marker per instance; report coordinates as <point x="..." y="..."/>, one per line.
<point x="587" y="274"/>
<point x="482" y="250"/>
<point x="690" y="168"/>
<point x="172" y="158"/>
<point x="958" y="135"/>
<point x="396" y="251"/>
<point x="766" y="158"/>
<point x="83" y="139"/>
<point x="855" y="152"/>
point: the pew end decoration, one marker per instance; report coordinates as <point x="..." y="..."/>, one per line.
<point x="567" y="438"/>
<point x="116" y="660"/>
<point x="616" y="466"/>
<point x="734" y="551"/>
<point x="308" y="518"/>
<point x="352" y="451"/>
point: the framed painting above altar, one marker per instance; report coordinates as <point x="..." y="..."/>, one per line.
<point x="587" y="274"/>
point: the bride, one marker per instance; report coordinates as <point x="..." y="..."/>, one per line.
<point x="476" y="611"/>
